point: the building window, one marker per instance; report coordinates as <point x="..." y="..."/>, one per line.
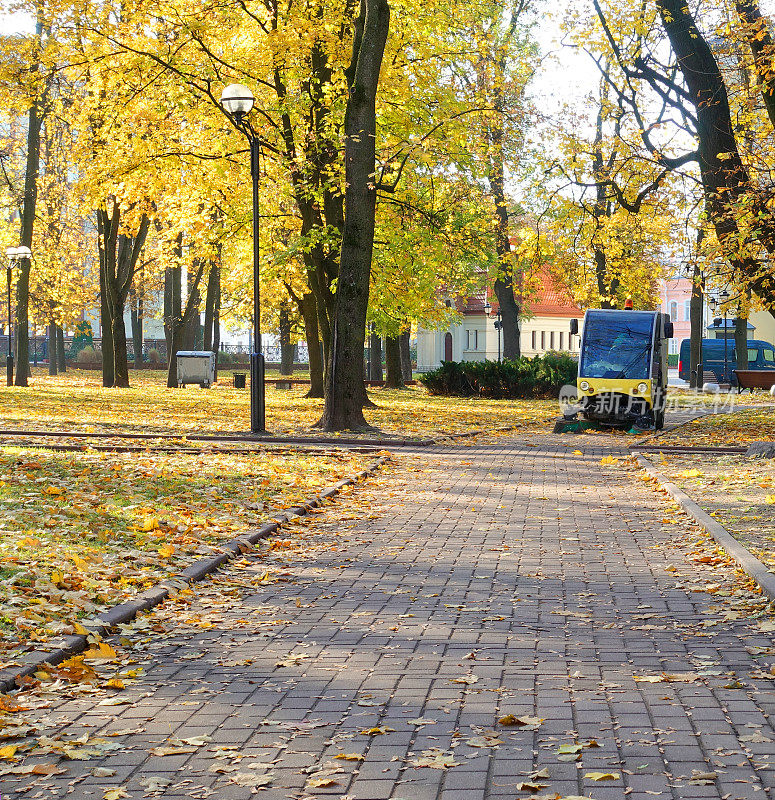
<point x="543" y="340"/>
<point x="687" y="310"/>
<point x="551" y="340"/>
<point x="472" y="340"/>
<point x="533" y="339"/>
<point x="674" y="311"/>
<point x="562" y="343"/>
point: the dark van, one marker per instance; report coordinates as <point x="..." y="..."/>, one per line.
<point x="761" y="355"/>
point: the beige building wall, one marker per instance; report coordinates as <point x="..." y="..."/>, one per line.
<point x="542" y="334"/>
<point x="764" y="323"/>
<point x="474" y="338"/>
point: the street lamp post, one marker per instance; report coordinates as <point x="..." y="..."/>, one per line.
<point x="723" y="297"/>
<point x="498" y="324"/>
<point x="237" y="101"/>
<point x="14" y="254"/>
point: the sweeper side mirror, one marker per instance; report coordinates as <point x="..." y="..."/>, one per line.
<point x="669" y="330"/>
<point x="574" y="327"/>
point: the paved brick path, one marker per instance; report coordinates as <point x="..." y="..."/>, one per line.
<point x="522" y="565"/>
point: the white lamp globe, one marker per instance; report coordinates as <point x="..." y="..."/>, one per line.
<point x="237" y="99"/>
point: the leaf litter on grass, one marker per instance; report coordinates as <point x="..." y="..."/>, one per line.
<point x="120" y="522"/>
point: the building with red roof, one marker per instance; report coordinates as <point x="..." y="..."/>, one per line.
<point x="474" y="336"/>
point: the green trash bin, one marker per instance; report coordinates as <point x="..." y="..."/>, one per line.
<point x="239" y="379"/>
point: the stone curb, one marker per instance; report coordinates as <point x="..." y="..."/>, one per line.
<point x="744" y="558"/>
<point x="125" y="612"/>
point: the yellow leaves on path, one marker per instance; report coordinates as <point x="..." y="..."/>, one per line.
<point x="435" y="759"/>
<point x="100" y="652"/>
<point x="115" y="794"/>
<point x="602" y="776"/>
<point x="377" y="730"/>
<point x="166" y="550"/>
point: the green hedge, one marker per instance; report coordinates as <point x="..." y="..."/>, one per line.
<point x="672" y="360"/>
<point x="542" y="376"/>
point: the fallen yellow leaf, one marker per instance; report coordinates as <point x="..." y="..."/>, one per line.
<point x="603" y="776"/>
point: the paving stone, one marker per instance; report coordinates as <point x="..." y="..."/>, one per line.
<point x="556" y="582"/>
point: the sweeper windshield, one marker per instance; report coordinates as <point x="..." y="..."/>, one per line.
<point x="617" y="344"/>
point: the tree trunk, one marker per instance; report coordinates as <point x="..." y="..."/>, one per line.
<point x="726" y="182"/>
<point x="120" y="358"/>
<point x="394" y="377"/>
<point x="106" y="327"/>
<point x="217" y="317"/>
<point x="697" y="333"/>
<point x="61" y="357"/>
<point x="173" y="300"/>
<point x="212" y="289"/>
<point x="406" y="355"/>
<point x="286" y="348"/>
<point x="120" y="252"/>
<point x="741" y="341"/>
<point x="51" y="348"/>
<point x="308" y="309"/>
<point x="375" y="356"/>
<point x="193" y="335"/>
<point x="31" y="172"/>
<point x="178" y="330"/>
<point x="345" y="393"/>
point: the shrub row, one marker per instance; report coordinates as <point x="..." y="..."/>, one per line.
<point x="542" y="376"/>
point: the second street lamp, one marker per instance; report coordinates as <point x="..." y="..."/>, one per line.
<point x="237" y="101"/>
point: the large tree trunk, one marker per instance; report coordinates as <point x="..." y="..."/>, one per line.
<point x="726" y="181"/>
<point x="504" y="281"/>
<point x="696" y="332"/>
<point x="375" y="356"/>
<point x="760" y="40"/>
<point x="51" y="348"/>
<point x="61" y="357"/>
<point x="345" y="394"/>
<point x="394" y="378"/>
<point x="406" y="355"/>
<point x="173" y="299"/>
<point x="32" y="168"/>
<point x="286" y="348"/>
<point x="741" y="341"/>
<point x="106" y="327"/>
<point x="120" y="255"/>
<point x="193" y="334"/>
<point x="308" y="309"/>
<point x="211" y="335"/>
<point x="217" y="319"/>
<point x="120" y="358"/>
<point x="212" y="289"/>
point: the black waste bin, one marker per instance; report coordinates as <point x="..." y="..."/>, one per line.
<point x="239" y="379"/>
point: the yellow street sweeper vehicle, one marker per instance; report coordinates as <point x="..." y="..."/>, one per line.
<point x="622" y="379"/>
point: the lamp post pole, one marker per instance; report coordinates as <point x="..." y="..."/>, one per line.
<point x="257" y="364"/>
<point x="9" y="358"/>
<point x="724" y="297"/>
<point x="498" y="326"/>
<point x="237" y="101"/>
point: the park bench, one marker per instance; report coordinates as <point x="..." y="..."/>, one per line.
<point x="755" y="379"/>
